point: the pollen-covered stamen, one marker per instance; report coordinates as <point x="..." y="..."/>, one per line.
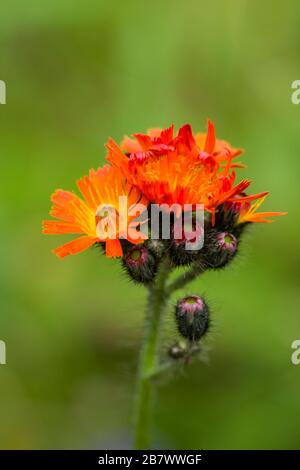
<point x="192" y="317"/>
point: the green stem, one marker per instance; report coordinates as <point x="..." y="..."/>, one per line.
<point x="158" y="295"/>
<point x="160" y="370"/>
<point x="148" y="361"/>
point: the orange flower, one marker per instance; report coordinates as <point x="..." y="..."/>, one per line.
<point x="100" y="191"/>
<point x="247" y="211"/>
<point x="182" y="169"/>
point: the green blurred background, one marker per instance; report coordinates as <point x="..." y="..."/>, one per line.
<point x="77" y="73"/>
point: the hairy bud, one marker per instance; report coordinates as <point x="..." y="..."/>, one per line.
<point x="140" y="264"/>
<point x="156" y="246"/>
<point x="219" y="249"/>
<point x="179" y="251"/>
<point x="192" y="317"/>
<point x="227" y="218"/>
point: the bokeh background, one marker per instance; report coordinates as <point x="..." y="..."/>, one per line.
<point x="77" y="73"/>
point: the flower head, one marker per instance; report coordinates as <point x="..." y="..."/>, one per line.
<point x="95" y="216"/>
<point x="182" y="168"/>
<point x="160" y="167"/>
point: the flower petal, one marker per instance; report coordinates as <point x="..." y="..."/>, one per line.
<point x="75" y="246"/>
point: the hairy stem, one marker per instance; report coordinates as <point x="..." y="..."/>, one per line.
<point x="149" y="358"/>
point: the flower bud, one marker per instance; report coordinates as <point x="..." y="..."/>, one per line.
<point x="219" y="249"/>
<point x="179" y="255"/>
<point x="192" y="317"/>
<point x="157" y="247"/>
<point x="178" y="250"/>
<point x="140" y="264"/>
<point x="227" y="218"/>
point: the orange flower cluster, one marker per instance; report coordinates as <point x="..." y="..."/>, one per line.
<point x="158" y="167"/>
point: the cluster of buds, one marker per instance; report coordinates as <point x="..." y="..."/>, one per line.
<point x="220" y="241"/>
<point x="218" y="245"/>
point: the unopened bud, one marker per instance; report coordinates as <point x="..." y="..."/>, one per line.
<point x="192" y="316"/>
<point x="140" y="264"/>
<point x="179" y="251"/>
<point x="227" y="217"/>
<point x="157" y="247"/>
<point x="219" y="249"/>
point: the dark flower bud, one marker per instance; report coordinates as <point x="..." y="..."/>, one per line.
<point x="140" y="264"/>
<point x="192" y="317"/>
<point x="179" y="255"/>
<point x="157" y="247"/>
<point x="219" y="249"/>
<point x="227" y="218"/>
<point x="179" y="251"/>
